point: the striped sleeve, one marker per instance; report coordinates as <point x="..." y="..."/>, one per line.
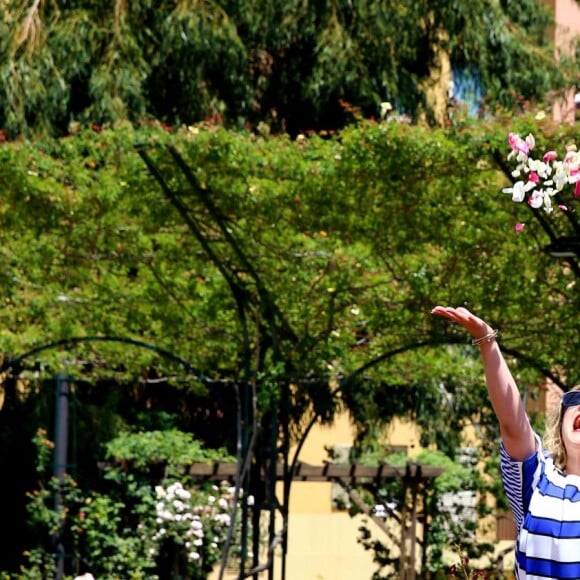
<point x="518" y="477"/>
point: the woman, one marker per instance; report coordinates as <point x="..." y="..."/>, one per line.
<point x="542" y="486"/>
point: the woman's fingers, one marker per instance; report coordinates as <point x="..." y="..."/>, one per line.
<point x="456" y="314"/>
<point x="461" y="316"/>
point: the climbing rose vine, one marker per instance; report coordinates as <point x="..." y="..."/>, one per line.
<point x="197" y="521"/>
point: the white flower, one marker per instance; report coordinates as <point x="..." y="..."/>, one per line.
<point x="541" y="168"/>
<point x="379" y="511"/>
<point x="174" y="488"/>
<point x="164" y="515"/>
<point x="519" y="189"/>
<point x="222" y="519"/>
<point x="386" y="107"/>
<point x="548" y="174"/>
<point x="183" y="494"/>
<point x="179" y="505"/>
<point x="536" y="200"/>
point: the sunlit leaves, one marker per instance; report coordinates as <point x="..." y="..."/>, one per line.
<point x="340" y="247"/>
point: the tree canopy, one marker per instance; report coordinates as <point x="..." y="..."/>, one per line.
<point x="304" y="268"/>
<point x="178" y="272"/>
<point x="332" y="251"/>
<point x="294" y="65"/>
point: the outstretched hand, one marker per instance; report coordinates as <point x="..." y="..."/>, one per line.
<point x="516" y="431"/>
<point x="473" y="324"/>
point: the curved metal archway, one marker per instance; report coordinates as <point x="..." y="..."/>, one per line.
<point x="385" y="356"/>
<point x="61" y="427"/>
<point x="414" y="346"/>
<point x="15" y="361"/>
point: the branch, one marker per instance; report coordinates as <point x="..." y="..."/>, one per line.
<point x="368" y="511"/>
<point x="29" y="31"/>
<point x="276" y="541"/>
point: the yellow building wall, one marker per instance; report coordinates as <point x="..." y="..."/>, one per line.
<point x="315" y="497"/>
<point x="322" y="541"/>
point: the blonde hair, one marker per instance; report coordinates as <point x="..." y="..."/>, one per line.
<point x="552" y="440"/>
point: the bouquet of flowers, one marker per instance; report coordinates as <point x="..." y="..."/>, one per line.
<point x="542" y="181"/>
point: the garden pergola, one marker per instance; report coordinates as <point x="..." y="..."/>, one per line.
<point x="264" y="442"/>
<point x="413" y="517"/>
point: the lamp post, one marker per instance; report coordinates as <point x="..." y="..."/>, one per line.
<point x="60" y="462"/>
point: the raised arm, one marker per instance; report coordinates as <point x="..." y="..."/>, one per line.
<point x="515" y="428"/>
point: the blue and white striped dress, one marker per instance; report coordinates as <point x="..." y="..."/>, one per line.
<point x="546" y="508"/>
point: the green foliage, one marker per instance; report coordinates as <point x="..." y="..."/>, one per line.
<point x="312" y="273"/>
<point x="294" y="65"/>
<point x="345" y="245"/>
<point x="138" y="526"/>
<point x="173" y="447"/>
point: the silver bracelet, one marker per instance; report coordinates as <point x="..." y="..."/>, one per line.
<point x="487" y="338"/>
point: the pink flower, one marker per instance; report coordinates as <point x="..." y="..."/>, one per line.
<point x="519" y="227"/>
<point x="543" y="182"/>
<point x="519" y="144"/>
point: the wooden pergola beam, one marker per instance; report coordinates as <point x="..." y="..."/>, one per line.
<point x="355" y="473"/>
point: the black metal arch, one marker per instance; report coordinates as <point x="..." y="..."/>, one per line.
<point x="387" y="355"/>
<point x="15" y="361"/>
<point x="414" y="346"/>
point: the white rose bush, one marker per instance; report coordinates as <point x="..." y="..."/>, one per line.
<point x="137" y="525"/>
<point x="197" y="521"/>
